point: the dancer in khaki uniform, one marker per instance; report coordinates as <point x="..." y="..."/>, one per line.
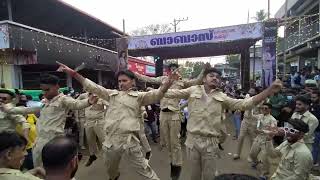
<point x="123" y="121"/>
<point x="80" y="117"/>
<point x="53" y="114"/>
<point x="248" y="127"/>
<point x="296" y="159"/>
<point x="302" y="112"/>
<point x="142" y="135"/>
<point x="170" y="122"/>
<point x="205" y="105"/>
<point x="94" y="123"/>
<point x="265" y="121"/>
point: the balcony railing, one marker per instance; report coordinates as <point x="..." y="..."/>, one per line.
<point x="303" y="34"/>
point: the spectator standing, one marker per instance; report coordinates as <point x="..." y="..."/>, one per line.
<point x="315" y="110"/>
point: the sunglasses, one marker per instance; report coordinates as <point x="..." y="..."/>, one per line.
<point x="290" y="130"/>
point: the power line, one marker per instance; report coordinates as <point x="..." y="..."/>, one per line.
<point x="177" y="21"/>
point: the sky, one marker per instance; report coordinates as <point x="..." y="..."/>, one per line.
<point x="201" y="14"/>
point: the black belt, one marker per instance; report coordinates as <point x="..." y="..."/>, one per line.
<point x="166" y="110"/>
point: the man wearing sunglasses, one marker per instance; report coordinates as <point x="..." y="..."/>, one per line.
<point x="265" y="121"/>
<point x="302" y="112"/>
<point x="9" y="121"/>
<point x="296" y="159"/>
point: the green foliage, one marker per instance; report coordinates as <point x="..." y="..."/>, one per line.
<point x="191" y="69"/>
<point x="261" y="15"/>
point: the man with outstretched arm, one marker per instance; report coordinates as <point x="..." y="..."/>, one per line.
<point x="170" y="123"/>
<point x="206" y="104"/>
<point x="122" y="123"/>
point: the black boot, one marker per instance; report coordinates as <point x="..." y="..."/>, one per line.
<point x="116" y="178"/>
<point x="91" y="159"/>
<point x="175" y="172"/>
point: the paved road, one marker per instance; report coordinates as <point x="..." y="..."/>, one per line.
<point x="160" y="164"/>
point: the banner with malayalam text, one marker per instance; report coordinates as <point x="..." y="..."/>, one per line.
<point x="213" y="35"/>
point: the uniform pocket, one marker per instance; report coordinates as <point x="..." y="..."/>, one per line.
<point x="196" y="103"/>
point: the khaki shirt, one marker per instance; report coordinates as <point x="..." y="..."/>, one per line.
<point x="312" y="122"/>
<point x="54" y="112"/>
<point x="170" y="103"/>
<point x="15" y="174"/>
<point x="95" y="114"/>
<point x="9" y="119"/>
<point x="124" y="114"/>
<point x="265" y="121"/>
<point x="250" y="116"/>
<point x="206" y="110"/>
<point x="296" y="160"/>
<point x="81" y="112"/>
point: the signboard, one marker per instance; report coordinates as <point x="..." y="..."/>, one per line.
<point x="150" y="70"/>
<point x="229" y="33"/>
<point x="4" y="36"/>
<point x="269" y="52"/>
<point x="141" y="67"/>
<point x="137" y="67"/>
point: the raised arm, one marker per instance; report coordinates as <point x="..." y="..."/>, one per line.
<point x="88" y="85"/>
<point x="152" y="80"/>
<point x="245" y="104"/>
<point x="154" y="96"/>
<point x="193" y="82"/>
<point x="275" y="87"/>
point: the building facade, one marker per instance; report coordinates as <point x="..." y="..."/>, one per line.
<point x="35" y="34"/>
<point x="302" y="36"/>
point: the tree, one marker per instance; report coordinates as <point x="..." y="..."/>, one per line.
<point x="152" y="29"/>
<point x="197" y="68"/>
<point x="261" y="15"/>
<point x="233" y="60"/>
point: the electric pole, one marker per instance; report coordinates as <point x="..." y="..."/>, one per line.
<point x="177" y="21"/>
<point x="268" y="9"/>
<point x="285" y="39"/>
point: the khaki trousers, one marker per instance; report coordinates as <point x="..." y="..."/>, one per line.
<point x="202" y="155"/>
<point x="246" y="130"/>
<point x="81" y="131"/>
<point x="41" y="141"/>
<point x="117" y="147"/>
<point x="92" y="132"/>
<point x="143" y="138"/>
<point x="259" y="146"/>
<point x="170" y="126"/>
